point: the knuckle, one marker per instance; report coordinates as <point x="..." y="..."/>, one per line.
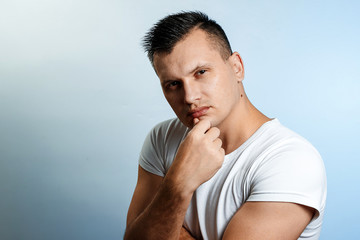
<point x="204" y="124"/>
<point x="216" y="130"/>
<point x="192" y="135"/>
<point x="222" y="151"/>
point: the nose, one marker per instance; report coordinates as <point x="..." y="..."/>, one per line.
<point x="191" y="92"/>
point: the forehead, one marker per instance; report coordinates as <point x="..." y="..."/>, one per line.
<point x="195" y="49"/>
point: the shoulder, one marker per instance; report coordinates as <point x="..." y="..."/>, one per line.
<point x="285" y="149"/>
<point x="290" y="169"/>
<point x="278" y="140"/>
<point x="274" y="142"/>
<point x="160" y="146"/>
<point x="168" y="129"/>
<point x="292" y="147"/>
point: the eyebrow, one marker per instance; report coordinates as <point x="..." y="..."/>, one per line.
<point x="200" y="66"/>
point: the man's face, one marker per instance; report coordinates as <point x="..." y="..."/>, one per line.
<point x="197" y="82"/>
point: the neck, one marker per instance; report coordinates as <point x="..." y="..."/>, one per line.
<point x="244" y="121"/>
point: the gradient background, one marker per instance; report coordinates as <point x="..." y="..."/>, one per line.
<point x="78" y="96"/>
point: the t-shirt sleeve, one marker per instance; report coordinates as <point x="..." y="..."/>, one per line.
<point x="151" y="158"/>
<point x="292" y="173"/>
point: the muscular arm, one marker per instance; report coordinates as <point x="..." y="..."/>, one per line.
<point x="162" y="218"/>
<point x="158" y="207"/>
<point x="268" y="220"/>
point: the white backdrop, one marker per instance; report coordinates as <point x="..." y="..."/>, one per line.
<point x="78" y="96"/>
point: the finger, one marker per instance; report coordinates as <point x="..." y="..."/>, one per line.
<point x="213" y="133"/>
<point x="222" y="151"/>
<point x="195" y="121"/>
<point x="218" y="143"/>
<point x="202" y="126"/>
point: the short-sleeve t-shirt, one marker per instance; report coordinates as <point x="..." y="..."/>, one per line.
<point x="274" y="164"/>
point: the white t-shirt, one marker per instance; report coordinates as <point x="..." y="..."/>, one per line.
<point x="274" y="164"/>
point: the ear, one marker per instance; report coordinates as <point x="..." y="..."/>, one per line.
<point x="237" y="65"/>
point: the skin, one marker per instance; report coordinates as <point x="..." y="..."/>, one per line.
<point x="206" y="93"/>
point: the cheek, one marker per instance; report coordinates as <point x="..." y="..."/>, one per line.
<point x="223" y="87"/>
<point x="174" y="102"/>
<point x="213" y="86"/>
<point x="224" y="93"/>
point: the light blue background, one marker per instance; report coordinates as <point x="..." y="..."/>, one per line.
<point x="78" y="96"/>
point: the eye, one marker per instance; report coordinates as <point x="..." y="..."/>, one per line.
<point x="201" y="72"/>
<point x="172" y="84"/>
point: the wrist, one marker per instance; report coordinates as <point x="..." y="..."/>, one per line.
<point x="176" y="188"/>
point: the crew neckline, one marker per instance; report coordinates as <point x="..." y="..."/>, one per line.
<point x="258" y="132"/>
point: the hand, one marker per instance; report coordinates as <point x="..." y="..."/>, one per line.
<point x="198" y="158"/>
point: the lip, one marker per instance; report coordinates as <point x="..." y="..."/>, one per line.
<point x="198" y="112"/>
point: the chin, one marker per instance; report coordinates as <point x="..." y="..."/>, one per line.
<point x="187" y="122"/>
<point x="214" y="122"/>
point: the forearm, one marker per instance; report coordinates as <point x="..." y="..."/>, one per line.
<point x="198" y="158"/>
<point x="164" y="216"/>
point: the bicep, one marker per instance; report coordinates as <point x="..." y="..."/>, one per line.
<point x="269" y="220"/>
<point x="145" y="190"/>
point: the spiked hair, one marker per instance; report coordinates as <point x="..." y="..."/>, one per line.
<point x="164" y="35"/>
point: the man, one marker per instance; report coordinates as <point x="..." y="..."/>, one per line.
<point x="222" y="169"/>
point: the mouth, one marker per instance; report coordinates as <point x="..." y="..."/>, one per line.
<point x="198" y="112"/>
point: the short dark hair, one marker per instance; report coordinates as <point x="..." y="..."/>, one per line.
<point x="164" y="35"/>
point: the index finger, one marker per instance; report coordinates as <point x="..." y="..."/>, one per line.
<point x="202" y="126"/>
